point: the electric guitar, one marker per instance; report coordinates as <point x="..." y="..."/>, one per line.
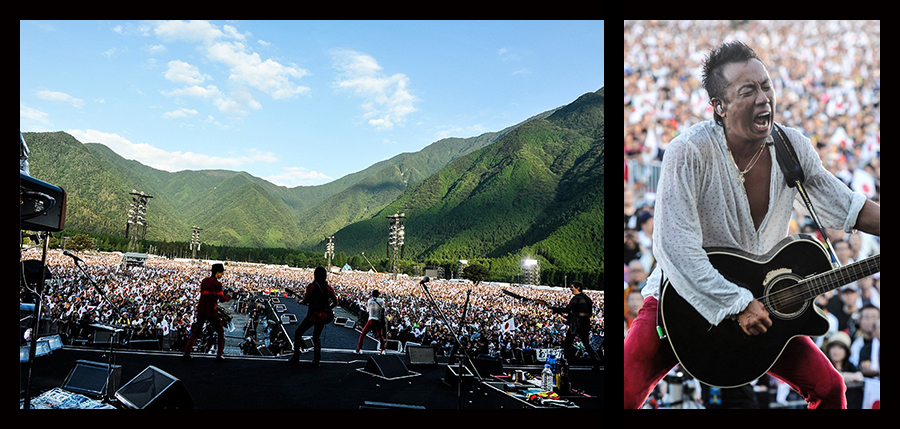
<point x="525" y="298"/>
<point x="325" y="313"/>
<point x="786" y="280"/>
<point x="561" y="316"/>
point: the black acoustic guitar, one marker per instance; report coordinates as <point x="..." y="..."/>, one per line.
<point x="786" y="281"/>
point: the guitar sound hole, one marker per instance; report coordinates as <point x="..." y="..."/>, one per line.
<point x="783" y="299"/>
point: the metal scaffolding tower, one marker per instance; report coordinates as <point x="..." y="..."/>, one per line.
<point x="396" y="240"/>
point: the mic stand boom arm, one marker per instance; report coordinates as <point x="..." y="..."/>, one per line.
<point x="458" y="343"/>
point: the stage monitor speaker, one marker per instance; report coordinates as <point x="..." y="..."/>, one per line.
<point x="392" y="345"/>
<point x="421" y="355"/>
<point x="154" y="388"/>
<point x="487" y="365"/>
<point x="388" y="366"/>
<point x="90" y="378"/>
<point x="451" y="376"/>
<point x="307" y="343"/>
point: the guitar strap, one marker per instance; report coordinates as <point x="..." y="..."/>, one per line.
<point x="793" y="173"/>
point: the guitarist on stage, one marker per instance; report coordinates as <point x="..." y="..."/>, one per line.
<point x="321" y="300"/>
<point x="211" y="292"/>
<point x="720" y="186"/>
<point x="578" y="318"/>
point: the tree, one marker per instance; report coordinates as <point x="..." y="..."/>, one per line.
<point x="476" y="273"/>
<point x="80" y="242"/>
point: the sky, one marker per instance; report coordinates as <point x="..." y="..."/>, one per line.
<point x="297" y="103"/>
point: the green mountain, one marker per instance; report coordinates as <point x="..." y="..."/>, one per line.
<point x="537" y="192"/>
<point x="534" y="189"/>
<point x="233" y="208"/>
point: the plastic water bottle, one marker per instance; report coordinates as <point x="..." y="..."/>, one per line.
<point x="551" y="360"/>
<point x="547" y="379"/>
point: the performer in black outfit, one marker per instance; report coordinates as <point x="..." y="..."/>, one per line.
<point x="578" y="312"/>
<point x="321" y="299"/>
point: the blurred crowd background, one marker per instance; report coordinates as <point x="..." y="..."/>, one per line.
<point x="827" y="81"/>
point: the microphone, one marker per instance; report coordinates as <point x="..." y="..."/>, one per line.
<point x="425" y="279"/>
<point x="70" y="254"/>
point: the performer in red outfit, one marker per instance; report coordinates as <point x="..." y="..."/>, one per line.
<point x="211" y="293"/>
<point x="321" y="300"/>
<point x="375" y="323"/>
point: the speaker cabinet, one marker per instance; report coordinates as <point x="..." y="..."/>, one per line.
<point x="487" y="365"/>
<point x="154" y="388"/>
<point x="452" y="377"/>
<point x="91" y="378"/>
<point x="387" y="366"/>
<point x="421" y="355"/>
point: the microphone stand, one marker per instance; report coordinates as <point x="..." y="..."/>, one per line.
<point x="111" y="358"/>
<point x="458" y="342"/>
<point x="36" y="321"/>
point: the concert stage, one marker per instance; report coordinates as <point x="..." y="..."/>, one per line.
<point x="344" y="380"/>
<point x="340" y="382"/>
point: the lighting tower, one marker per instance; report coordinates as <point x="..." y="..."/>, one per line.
<point x="396" y="238"/>
<point x="195" y="242"/>
<point x="329" y="250"/>
<point x="137" y="212"/>
<point x="531" y="272"/>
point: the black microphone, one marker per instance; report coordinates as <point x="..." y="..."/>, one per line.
<point x="426" y="279"/>
<point x="70" y="254"/>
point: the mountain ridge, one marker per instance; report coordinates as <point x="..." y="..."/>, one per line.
<point x="534" y="188"/>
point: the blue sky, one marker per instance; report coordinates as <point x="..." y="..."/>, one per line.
<point x="295" y="102"/>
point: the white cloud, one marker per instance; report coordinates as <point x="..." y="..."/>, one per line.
<point x="180" y="113"/>
<point x="62" y="97"/>
<point x="190" y="31"/>
<point x="171" y="160"/>
<point x="31" y="119"/>
<point x="182" y="72"/>
<point x="195" y="91"/>
<point x="298" y="176"/>
<point x="246" y="69"/>
<point x="387" y="99"/>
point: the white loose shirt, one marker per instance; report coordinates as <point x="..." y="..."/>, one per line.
<point x="375" y="306"/>
<point x="701" y="203"/>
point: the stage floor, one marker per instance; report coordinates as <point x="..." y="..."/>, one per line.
<point x="340" y="382"/>
<point x="246" y="382"/>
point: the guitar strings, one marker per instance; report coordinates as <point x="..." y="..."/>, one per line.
<point x="855" y="270"/>
<point x="799" y="292"/>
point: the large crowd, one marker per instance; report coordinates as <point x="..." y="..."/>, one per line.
<point x="157" y="301"/>
<point x="827" y="80"/>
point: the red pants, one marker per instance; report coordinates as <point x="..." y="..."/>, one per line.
<point x="802" y="365"/>
<point x="371" y="325"/>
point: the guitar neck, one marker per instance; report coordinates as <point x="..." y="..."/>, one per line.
<point x="821" y="283"/>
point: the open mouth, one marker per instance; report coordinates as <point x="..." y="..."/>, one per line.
<point x="762" y="121"/>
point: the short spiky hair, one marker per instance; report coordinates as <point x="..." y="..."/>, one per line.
<point x="713" y="79"/>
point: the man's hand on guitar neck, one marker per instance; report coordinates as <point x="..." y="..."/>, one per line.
<point x="754" y="320"/>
